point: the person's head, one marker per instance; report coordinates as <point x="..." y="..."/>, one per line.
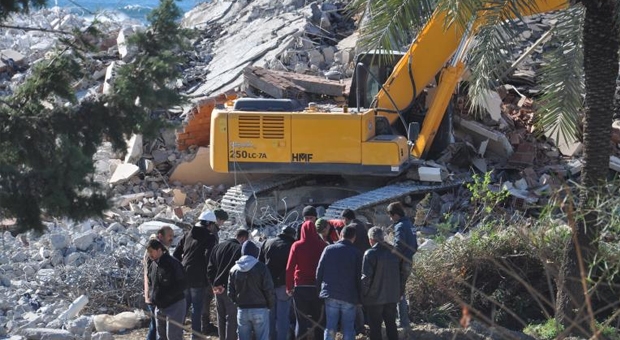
<point x="347" y="215"/>
<point x="322" y="226"/>
<point x="289" y="231"/>
<point x="221" y="216"/>
<point x="375" y="235"/>
<point x="309" y="213"/>
<point x="165" y="235"/>
<point x="249" y="248"/>
<point x="348" y="233"/>
<point x="155" y="249"/>
<point x="242" y="235"/>
<point x="396" y="211"/>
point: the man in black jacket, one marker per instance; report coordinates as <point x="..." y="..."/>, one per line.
<point x="383" y="283"/>
<point x="193" y="251"/>
<point x="167" y="284"/>
<point x="274" y="253"/>
<point x="250" y="287"/>
<point x="222" y="259"/>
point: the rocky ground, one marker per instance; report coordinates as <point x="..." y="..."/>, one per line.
<point x="83" y="279"/>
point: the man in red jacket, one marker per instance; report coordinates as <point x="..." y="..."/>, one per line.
<point x="301" y="279"/>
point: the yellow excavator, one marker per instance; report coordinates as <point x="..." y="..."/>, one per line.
<point x="349" y="157"/>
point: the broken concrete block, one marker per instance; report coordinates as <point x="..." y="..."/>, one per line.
<point x="498" y="143"/>
<point x="134" y="149"/>
<point x="124" y="173"/>
<point x="110" y="74"/>
<point x="521" y="184"/>
<point x="10" y="59"/>
<point x="428" y="174"/>
<point x="151" y="227"/>
<point x="84" y="240"/>
<point x="328" y="54"/>
<point x="574" y="166"/>
<point x="482" y="149"/>
<point x="178" y="197"/>
<point x="614" y="163"/>
<point x="480" y="164"/>
<point x="493" y="104"/>
<point x="571" y="149"/>
<point x="126" y="52"/>
<point x="46" y="333"/>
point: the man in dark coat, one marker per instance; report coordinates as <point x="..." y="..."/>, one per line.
<point x="165" y="235"/>
<point x="250" y="287"/>
<point x="274" y="253"/>
<point x="167" y="284"/>
<point x="361" y="232"/>
<point x="222" y="259"/>
<point x="406" y="244"/>
<point x="383" y="283"/>
<point x="339" y="274"/>
<point x="193" y="251"/>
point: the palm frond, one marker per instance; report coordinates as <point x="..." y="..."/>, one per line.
<point x="390" y="24"/>
<point x="562" y="79"/>
<point x="489" y="56"/>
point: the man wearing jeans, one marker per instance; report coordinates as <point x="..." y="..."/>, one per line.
<point x="274" y="253"/>
<point x="250" y="287"/>
<point x="406" y="245"/>
<point x="222" y="259"/>
<point x="193" y="252"/>
<point x="339" y="274"/>
<point x="165" y="235"/>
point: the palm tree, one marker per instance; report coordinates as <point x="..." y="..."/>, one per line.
<point x="587" y="38"/>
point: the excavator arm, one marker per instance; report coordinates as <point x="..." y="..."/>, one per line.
<point x="427" y="55"/>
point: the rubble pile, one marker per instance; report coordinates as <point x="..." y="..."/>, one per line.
<point x="281" y="35"/>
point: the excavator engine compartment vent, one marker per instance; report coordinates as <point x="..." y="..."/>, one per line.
<point x="259" y="126"/>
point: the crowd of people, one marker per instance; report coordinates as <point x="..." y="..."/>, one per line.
<point x="329" y="276"/>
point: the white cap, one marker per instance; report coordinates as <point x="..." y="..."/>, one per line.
<point x="208" y="216"/>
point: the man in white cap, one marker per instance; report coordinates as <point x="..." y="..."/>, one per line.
<point x="193" y="252"/>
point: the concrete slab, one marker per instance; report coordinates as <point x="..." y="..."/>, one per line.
<point x="123" y="173"/>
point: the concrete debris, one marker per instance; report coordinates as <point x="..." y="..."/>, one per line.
<point x="124" y="173"/>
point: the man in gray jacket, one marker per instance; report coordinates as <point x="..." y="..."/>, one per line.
<point x="383" y="283"/>
<point x="250" y="287"/>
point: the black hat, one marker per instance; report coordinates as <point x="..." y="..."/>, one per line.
<point x="221" y="214"/>
<point x="309" y="211"/>
<point x="290" y="231"/>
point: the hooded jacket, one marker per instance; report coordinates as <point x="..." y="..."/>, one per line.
<point x="304" y="257"/>
<point x="274" y="253"/>
<point x="193" y="251"/>
<point x="222" y="259"/>
<point x="250" y="284"/>
<point x="166" y="281"/>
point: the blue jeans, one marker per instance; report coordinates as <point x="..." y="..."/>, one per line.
<point x="253" y="320"/>
<point x="194" y="297"/>
<point x="337" y="310"/>
<point x="279" y="316"/>
<point x="152" y="334"/>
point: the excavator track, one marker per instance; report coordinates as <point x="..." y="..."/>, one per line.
<point x="391" y="193"/>
<point x="236" y="199"/>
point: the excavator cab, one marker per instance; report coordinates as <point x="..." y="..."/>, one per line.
<point x="372" y="70"/>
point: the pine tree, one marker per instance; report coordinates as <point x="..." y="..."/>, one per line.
<point x="48" y="137"/>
